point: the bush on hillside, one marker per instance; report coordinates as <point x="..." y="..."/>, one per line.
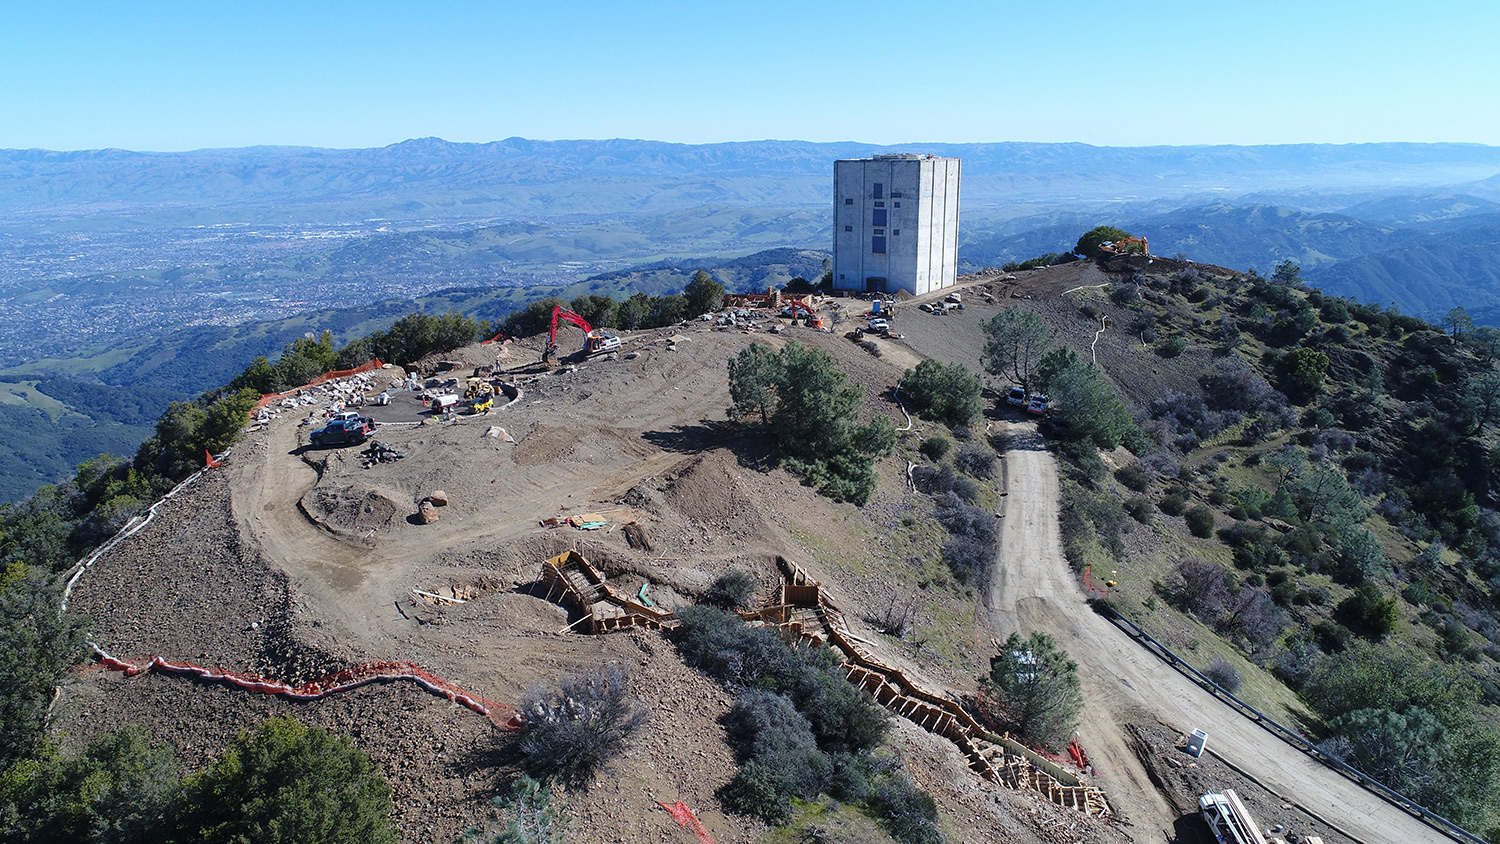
<point x="286" y="783"/>
<point x="1200" y="521"/>
<point x="732" y="590"/>
<point x="1224" y="674"/>
<point x="976" y="460"/>
<point x="1133" y="476"/>
<point x="935" y="447"/>
<point x="573" y="733"/>
<point x="945" y="392"/>
<point x="941" y="480"/>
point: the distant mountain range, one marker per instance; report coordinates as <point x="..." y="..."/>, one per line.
<point x="432" y="179"/>
<point x="104" y="254"/>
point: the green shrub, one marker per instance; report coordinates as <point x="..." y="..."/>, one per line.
<point x="1139" y="509"/>
<point x="1133" y="476"/>
<point x="121" y="788"/>
<point x="935" y="447"/>
<point x="1173" y="504"/>
<point x="1200" y="521"/>
<point x="37" y="647"/>
<point x="286" y="783"/>
<point x="944" y="392"/>
<point x="1172" y="346"/>
<point x="534" y="820"/>
<point x="1370" y="612"/>
<point x="731" y="591"/>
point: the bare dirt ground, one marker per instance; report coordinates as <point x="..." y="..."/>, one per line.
<point x="292" y="562"/>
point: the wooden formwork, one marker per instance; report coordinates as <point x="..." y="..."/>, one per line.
<point x="892" y="688"/>
<point x="801" y="612"/>
<point x="571" y="581"/>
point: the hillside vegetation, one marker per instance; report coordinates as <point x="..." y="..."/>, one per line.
<point x="1314" y="485"/>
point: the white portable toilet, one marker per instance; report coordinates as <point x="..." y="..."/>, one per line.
<point x="1196" y="742"/>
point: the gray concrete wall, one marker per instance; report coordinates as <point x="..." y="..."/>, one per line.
<point x="919" y="197"/>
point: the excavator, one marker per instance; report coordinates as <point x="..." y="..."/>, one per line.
<point x="594" y="340"/>
<point x="799" y="308"/>
<point x="1127" y="245"/>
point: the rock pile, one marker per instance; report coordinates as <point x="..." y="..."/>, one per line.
<point x="378" y="452"/>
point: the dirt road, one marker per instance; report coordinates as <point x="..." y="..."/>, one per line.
<point x="1032" y="588"/>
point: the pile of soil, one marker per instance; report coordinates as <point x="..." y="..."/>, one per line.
<point x="353" y="511"/>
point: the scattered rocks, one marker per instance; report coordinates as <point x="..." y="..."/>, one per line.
<point x="378" y="452"/>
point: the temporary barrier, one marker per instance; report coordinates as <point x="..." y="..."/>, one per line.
<point x="687" y="820"/>
<point x="334" y="375"/>
<point x="501" y="715"/>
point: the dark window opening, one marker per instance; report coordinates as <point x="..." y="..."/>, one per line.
<point x="880" y="205"/>
<point x="877" y="244"/>
<point x="848" y="228"/>
<point x="848" y="202"/>
<point x="895" y="231"/>
<point x="879" y="190"/>
<point x="898" y="205"/>
<point x="878" y="217"/>
<point x="895" y="194"/>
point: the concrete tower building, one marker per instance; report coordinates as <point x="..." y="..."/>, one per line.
<point x="895" y="223"/>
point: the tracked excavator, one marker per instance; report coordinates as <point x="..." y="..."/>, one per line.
<point x="594" y="339"/>
<point x="1126" y="245"/>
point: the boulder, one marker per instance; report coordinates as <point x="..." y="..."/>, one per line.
<point x="427" y="513"/>
<point x="438" y="498"/>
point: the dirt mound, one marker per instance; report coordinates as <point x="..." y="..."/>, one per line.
<point x="353" y="511"/>
<point x="707" y="491"/>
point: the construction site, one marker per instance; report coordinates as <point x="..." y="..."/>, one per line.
<point x="487" y="521"/>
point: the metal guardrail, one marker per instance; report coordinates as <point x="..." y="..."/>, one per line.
<point x="1288" y="735"/>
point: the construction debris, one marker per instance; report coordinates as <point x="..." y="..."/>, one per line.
<point x="635" y="535"/>
<point x="378" y="452"/>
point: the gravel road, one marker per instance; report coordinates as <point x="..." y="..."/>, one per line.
<point x="1033" y="588"/>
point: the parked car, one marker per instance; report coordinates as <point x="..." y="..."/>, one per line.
<point x="1037" y="405"/>
<point x="879" y="326"/>
<point x="343" y="432"/>
<point x="1016" y="397"/>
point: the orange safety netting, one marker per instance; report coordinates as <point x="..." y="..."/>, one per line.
<point x="1092" y="586"/>
<point x="373" y="363"/>
<point x="687" y="820"/>
<point x="501" y="715"/>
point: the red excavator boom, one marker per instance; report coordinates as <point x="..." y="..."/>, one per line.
<point x="559" y="312"/>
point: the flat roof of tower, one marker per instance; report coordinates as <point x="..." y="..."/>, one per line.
<point x="900" y="156"/>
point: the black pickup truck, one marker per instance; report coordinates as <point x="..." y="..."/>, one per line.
<point x="344" y="432"/>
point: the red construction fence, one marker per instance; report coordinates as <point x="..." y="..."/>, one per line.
<point x="372" y="364"/>
<point x="501" y="715"/>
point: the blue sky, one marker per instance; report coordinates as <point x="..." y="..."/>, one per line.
<point x="171" y="76"/>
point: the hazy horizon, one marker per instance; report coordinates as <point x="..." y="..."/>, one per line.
<point x="340" y="75"/>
